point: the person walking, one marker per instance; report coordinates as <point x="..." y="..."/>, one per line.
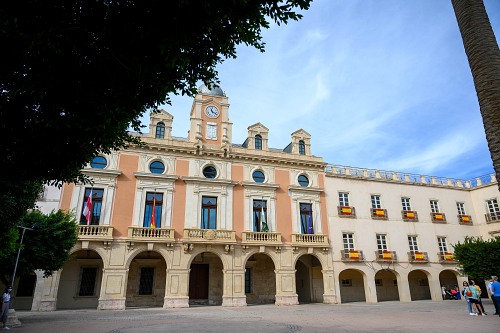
<point x="465" y="286"/>
<point x="480" y="302"/>
<point x="5" y="306"/>
<point x="495" y="293"/>
<point x="473" y="297"/>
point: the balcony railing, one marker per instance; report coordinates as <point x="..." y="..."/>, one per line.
<point x="261" y="237"/>
<point x="409" y="215"/>
<point x="346" y="211"/>
<point x="386" y="255"/>
<point x="378" y="213"/>
<point x="418" y="257"/>
<point x="492" y="217"/>
<point x="438" y="217"/>
<point x="465" y="219"/>
<point x="352" y="255"/>
<point x="90" y="232"/>
<point x="446" y="258"/>
<point x="156" y="234"/>
<point x="310" y="239"/>
<point x="210" y="235"/>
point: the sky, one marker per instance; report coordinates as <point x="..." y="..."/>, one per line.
<point x="379" y="84"/>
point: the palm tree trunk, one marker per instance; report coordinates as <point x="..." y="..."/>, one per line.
<point x="484" y="60"/>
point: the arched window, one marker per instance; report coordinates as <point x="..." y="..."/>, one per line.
<point x="98" y="162"/>
<point x="210" y="172"/>
<point x="258" y="142"/>
<point x="302" y="147"/>
<point x="160" y="130"/>
<point x="157" y="167"/>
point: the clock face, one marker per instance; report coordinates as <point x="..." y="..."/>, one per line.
<point x="212" y="111"/>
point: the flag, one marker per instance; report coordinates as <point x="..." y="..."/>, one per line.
<point x="264" y="227"/>
<point x="410" y="214"/>
<point x="346" y="210"/>
<point x="419" y="256"/>
<point x="379" y="212"/>
<point x="438" y="216"/>
<point x="353" y="254"/>
<point x="87" y="209"/>
<point x="153" y="222"/>
<point x="310" y="229"/>
<point x="387" y="255"/>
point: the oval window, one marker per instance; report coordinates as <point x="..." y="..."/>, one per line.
<point x="258" y="176"/>
<point x="210" y="172"/>
<point x="157" y="167"/>
<point x="303" y="181"/>
<point x="98" y="162"/>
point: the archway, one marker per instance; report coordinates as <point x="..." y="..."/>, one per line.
<point x="146" y="280"/>
<point x="387" y="286"/>
<point x="206" y="280"/>
<point x="419" y="285"/>
<point x="448" y="279"/>
<point x="260" y="279"/>
<point x="309" y="279"/>
<point x="80" y="282"/>
<point x="352" y="288"/>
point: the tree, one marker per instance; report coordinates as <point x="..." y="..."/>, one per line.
<point x="484" y="59"/>
<point x="478" y="258"/>
<point x="78" y="74"/>
<point x="46" y="247"/>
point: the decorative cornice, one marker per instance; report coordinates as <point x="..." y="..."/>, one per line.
<point x="209" y="181"/>
<point x="101" y="172"/>
<point x="261" y="185"/>
<point x="305" y="189"/>
<point x="155" y="176"/>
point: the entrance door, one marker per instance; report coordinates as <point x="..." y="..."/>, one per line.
<point x="198" y="281"/>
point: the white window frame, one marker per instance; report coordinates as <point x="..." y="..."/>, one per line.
<point x="442" y="244"/>
<point x="348" y="241"/>
<point x="405" y="203"/>
<point x="375" y="198"/>
<point x="344" y="199"/>
<point x="492" y="206"/>
<point x="461" y="208"/>
<point x="434" y="206"/>
<point x="381" y="242"/>
<point x="413" y="243"/>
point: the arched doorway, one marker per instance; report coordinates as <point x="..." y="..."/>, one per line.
<point x="309" y="279"/>
<point x="419" y="285"/>
<point x="448" y="279"/>
<point x="206" y="280"/>
<point x="260" y="279"/>
<point x="146" y="280"/>
<point x="352" y="288"/>
<point x="386" y="283"/>
<point x="80" y="282"/>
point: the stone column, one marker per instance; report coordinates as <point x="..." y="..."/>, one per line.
<point x="234" y="288"/>
<point x="435" y="289"/>
<point x="285" y="287"/>
<point x="329" y="295"/>
<point x="177" y="289"/>
<point x="404" y="288"/>
<point x="113" y="289"/>
<point x="370" y="289"/>
<point x="45" y="295"/>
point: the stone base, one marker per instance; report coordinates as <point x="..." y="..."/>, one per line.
<point x="234" y="301"/>
<point x="176" y="302"/>
<point x="45" y="306"/>
<point x="330" y="299"/>
<point x="12" y="320"/>
<point x="111" y="304"/>
<point x="287" y="300"/>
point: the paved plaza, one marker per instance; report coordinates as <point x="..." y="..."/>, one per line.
<point x="387" y="317"/>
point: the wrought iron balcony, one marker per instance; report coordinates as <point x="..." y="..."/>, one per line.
<point x="261" y="237"/>
<point x="409" y="215"/>
<point x="438" y="217"/>
<point x="465" y="219"/>
<point x="95" y="232"/>
<point x="151" y="234"/>
<point x="418" y="257"/>
<point x="386" y="255"/>
<point x="352" y="255"/>
<point x="492" y="217"/>
<point x="346" y="211"/>
<point x="446" y="258"/>
<point x="378" y="213"/>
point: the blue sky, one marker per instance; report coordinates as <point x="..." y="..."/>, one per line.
<point x="380" y="84"/>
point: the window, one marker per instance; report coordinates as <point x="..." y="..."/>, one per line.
<point x="376" y="201"/>
<point x="461" y="208"/>
<point x="412" y="243"/>
<point x="208" y="213"/>
<point x="154" y="202"/>
<point x="493" y="208"/>
<point x="160" y="130"/>
<point x="258" y="176"/>
<point x="157" y="167"/>
<point x="406" y="204"/>
<point x="306" y="221"/>
<point x="258" y="142"/>
<point x="302" y="147"/>
<point x="95" y="205"/>
<point x="303" y="181"/>
<point x="348" y="241"/>
<point x="248" y="280"/>
<point x="87" y="281"/>
<point x="381" y="242"/>
<point x="98" y="162"/>
<point x="260" y="216"/>
<point x="343" y="199"/>
<point x="443" y="247"/>
<point x="26" y="286"/>
<point x="434" y="206"/>
<point x="210" y="172"/>
<point x="346" y="283"/>
<point x="146" y="281"/>
<point x="212" y="131"/>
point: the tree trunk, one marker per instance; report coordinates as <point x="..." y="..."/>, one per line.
<point x="484" y="60"/>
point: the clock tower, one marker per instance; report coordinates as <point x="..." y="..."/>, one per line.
<point x="210" y="125"/>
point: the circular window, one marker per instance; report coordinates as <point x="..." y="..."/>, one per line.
<point x="303" y="181"/>
<point x="157" y="167"/>
<point x="209" y="172"/>
<point x="258" y="176"/>
<point x="98" y="162"/>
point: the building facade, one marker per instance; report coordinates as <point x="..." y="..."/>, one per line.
<point x="201" y="220"/>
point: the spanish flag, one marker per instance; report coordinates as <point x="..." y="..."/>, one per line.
<point x="465" y="218"/>
<point x="379" y="212"/>
<point x="153" y="220"/>
<point x="448" y="256"/>
<point x="419" y="256"/>
<point x="346" y="210"/>
<point x="410" y="215"/>
<point x="387" y="255"/>
<point x="438" y="216"/>
<point x="353" y="254"/>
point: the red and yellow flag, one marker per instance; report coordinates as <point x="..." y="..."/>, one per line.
<point x="153" y="220"/>
<point x="353" y="254"/>
<point x="380" y="212"/>
<point x="346" y="210"/>
<point x="387" y="255"/>
<point x="410" y="214"/>
<point x="419" y="256"/>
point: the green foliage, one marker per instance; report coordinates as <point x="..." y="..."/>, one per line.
<point x="78" y="74"/>
<point x="478" y="258"/>
<point x="46" y="247"/>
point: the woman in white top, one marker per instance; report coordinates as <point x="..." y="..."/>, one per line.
<point x="5" y="306"/>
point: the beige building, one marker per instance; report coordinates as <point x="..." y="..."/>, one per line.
<point x="201" y="220"/>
